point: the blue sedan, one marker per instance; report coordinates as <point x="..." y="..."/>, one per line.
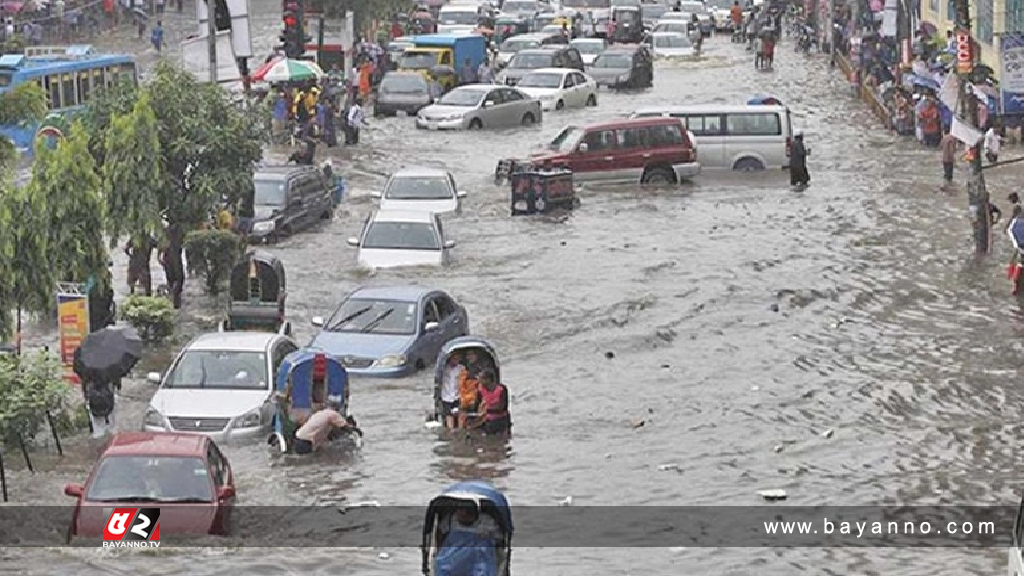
<point x="390" y="332"/>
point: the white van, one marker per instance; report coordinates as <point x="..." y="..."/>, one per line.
<point x="731" y="137"/>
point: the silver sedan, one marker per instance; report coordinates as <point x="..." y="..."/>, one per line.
<point x="478" y="106"/>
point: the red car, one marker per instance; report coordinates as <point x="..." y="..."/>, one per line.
<point x="647" y="150"/>
<point x="184" y="475"/>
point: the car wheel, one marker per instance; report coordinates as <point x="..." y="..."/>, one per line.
<point x="592" y="100"/>
<point x="327" y="215"/>
<point x="559" y="105"/>
<point x="528" y="119"/>
<point x="658" y="176"/>
<point x="476" y="124"/>
<point x="420" y="365"/>
<point x="748" y="165"/>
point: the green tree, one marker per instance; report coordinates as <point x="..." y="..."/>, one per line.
<point x="208" y="148"/>
<point x="28" y="281"/>
<point x="131" y="171"/>
<point x="118" y="99"/>
<point x="25" y="105"/>
<point x="65" y="178"/>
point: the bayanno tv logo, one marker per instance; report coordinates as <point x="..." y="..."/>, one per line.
<point x="132" y="528"/>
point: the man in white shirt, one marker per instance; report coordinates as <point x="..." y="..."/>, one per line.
<point x="992" y="144"/>
<point x="356" y="120"/>
<point x="453" y="372"/>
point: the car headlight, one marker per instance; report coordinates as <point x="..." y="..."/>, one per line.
<point x="391" y="360"/>
<point x="153" y="418"/>
<point x="260" y="227"/>
<point x="249" y="419"/>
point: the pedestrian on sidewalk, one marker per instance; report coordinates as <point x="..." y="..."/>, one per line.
<point x="356" y="120"/>
<point x="157" y="36"/>
<point x="992" y="144"/>
<point x="948" y="147"/>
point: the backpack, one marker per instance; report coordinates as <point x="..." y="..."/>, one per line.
<point x="100" y="398"/>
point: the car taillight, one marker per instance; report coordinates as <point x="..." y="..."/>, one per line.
<point x="789" y="146"/>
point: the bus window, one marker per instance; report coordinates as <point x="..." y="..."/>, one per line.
<point x="83" y="86"/>
<point x="97" y="79"/>
<point x="110" y="76"/>
<point x="53" y="89"/>
<point x="67" y="82"/>
<point x="5" y="79"/>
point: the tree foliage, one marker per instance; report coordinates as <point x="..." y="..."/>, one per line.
<point x="65" y="180"/>
<point x="30" y="279"/>
<point x="214" y="253"/>
<point x="131" y="171"/>
<point x="31" y="386"/>
<point x="25" y="105"/>
<point x="110" y="102"/>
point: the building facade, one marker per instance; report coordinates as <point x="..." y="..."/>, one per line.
<point x="990" y="19"/>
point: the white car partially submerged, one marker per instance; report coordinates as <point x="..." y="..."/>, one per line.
<point x="590" y="48"/>
<point x="671" y="45"/>
<point x="559" y="88"/>
<point x="421" y="190"/>
<point x="393" y="238"/>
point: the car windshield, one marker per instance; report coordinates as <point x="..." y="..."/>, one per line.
<point x="221" y="369"/>
<point x="531" y="61"/>
<point x="419" y="188"/>
<point x="269" y="192"/>
<point x="151" y="479"/>
<point x="418" y="60"/>
<point x="673" y="41"/>
<point x="374" y="316"/>
<point x="401" y="236"/>
<point x="403" y="84"/>
<point x="676" y="16"/>
<point x="517" y="44"/>
<point x="566" y="139"/>
<point x="607" y="60"/>
<point x="589" y="47"/>
<point x="653" y="11"/>
<point x="512" y="6"/>
<point x="465" y="18"/>
<point x="720" y="4"/>
<point x="691" y="7"/>
<point x="462" y="98"/>
<point x="551" y="29"/>
<point x="541" y="80"/>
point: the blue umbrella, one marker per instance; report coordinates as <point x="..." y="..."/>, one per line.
<point x="1016" y="232"/>
<point x="917" y="80"/>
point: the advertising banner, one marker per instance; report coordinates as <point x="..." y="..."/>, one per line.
<point x="1011" y="77"/>
<point x="72" y="324"/>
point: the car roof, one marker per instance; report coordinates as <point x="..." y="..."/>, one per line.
<point x="401" y="73"/>
<point x="156" y="444"/>
<point x="240" y="341"/>
<point x="278" y="172"/>
<point x="680" y="34"/>
<point x="627" y="122"/>
<point x="554" y="71"/>
<point x="420" y="172"/>
<point x="714" y="108"/>
<point x="542" y="50"/>
<point x="588" y="41"/>
<point x="624" y="48"/>
<point x="407" y="293"/>
<point x="390" y="215"/>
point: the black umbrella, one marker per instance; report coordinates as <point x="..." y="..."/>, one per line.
<point x="108" y="354"/>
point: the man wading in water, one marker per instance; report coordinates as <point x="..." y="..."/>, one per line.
<point x="798" y="176"/>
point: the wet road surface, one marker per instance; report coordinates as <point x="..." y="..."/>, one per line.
<point x="742" y="316"/>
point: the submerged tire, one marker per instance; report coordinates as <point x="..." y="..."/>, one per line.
<point x="658" y="176"/>
<point x="528" y="119"/>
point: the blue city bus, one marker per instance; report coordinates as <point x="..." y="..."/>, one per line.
<point x="69" y="76"/>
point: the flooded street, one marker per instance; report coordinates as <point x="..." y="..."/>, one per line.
<point x="740" y="316"/>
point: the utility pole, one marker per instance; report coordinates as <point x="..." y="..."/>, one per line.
<point x="211" y="31"/>
<point x="300" y="14"/>
<point x="977" y="193"/>
<point x="832" y="33"/>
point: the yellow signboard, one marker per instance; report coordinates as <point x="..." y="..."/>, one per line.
<point x="73" y="325"/>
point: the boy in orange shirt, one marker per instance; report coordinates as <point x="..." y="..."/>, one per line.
<point x="468" y="387"/>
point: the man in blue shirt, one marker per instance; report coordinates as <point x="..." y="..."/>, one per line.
<point x="468" y="73"/>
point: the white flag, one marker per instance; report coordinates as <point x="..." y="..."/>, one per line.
<point x="950" y="91"/>
<point x="965" y="132"/>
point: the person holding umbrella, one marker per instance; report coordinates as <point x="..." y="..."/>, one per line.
<point x="103" y="358"/>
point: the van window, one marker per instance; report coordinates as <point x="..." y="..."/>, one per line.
<point x="634" y="137"/>
<point x="703" y="125"/>
<point x="753" y="124"/>
<point x="666" y="135"/>
<point x="68" y="97"/>
<point x="600" y="140"/>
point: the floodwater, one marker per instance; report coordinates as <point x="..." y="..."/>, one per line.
<point x="741" y="316"/>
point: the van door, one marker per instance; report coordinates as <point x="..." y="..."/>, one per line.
<point x="755" y="135"/>
<point x="707" y="129"/>
<point x="599" y="160"/>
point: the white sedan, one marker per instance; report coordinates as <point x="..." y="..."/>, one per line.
<point x="558" y="88"/>
<point x="671" y="45"/>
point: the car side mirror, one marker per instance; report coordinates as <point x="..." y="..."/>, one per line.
<point x="430" y="326"/>
<point x="317" y="321"/>
<point x="153" y="377"/>
<point x="461" y="194"/>
<point x="449" y="243"/>
<point x="74" y="490"/>
<point x="353" y="242"/>
<point x="583" y="147"/>
<point x="225" y="492"/>
<point x="376" y="195"/>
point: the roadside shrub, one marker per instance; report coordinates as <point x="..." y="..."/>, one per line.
<point x="212" y="254"/>
<point x="30" y="386"/>
<point x="152" y="316"/>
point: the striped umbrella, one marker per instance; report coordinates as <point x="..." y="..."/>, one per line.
<point x="288" y="70"/>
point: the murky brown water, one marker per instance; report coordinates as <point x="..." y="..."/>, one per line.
<point x="886" y="332"/>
